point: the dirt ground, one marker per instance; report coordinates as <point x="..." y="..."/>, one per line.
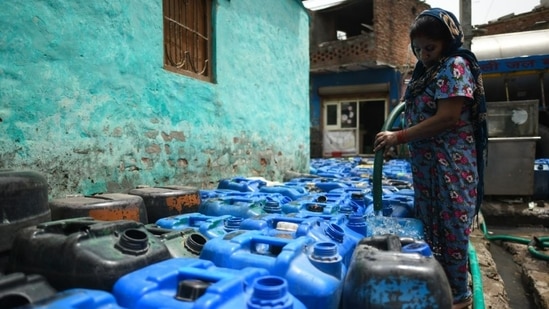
<point x="534" y="271"/>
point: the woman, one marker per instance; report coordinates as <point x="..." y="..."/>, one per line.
<point x="445" y="130"/>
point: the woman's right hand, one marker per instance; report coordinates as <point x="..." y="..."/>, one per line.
<point x="385" y="139"/>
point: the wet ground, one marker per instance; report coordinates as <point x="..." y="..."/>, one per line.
<point x="513" y="277"/>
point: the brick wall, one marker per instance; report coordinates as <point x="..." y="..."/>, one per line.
<point x="392" y="20"/>
<point x="387" y="44"/>
<point x="534" y="20"/>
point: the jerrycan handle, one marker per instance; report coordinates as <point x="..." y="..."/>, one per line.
<point x="265" y="245"/>
<point x="234" y="200"/>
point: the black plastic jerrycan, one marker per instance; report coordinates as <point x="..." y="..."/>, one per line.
<point x="84" y="252"/>
<point x="18" y="289"/>
<point x="168" y="200"/>
<point x="105" y="206"/>
<point x="186" y="242"/>
<point x="23" y="203"/>
<point x="384" y="274"/>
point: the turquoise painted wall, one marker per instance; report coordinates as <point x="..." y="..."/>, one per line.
<point x="84" y="99"/>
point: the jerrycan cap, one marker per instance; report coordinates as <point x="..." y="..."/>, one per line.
<point x="418" y="247"/>
<point x="190" y="290"/>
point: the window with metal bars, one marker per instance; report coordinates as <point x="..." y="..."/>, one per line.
<point x="187" y="42"/>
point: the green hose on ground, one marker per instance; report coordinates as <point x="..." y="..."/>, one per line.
<point x="533" y="244"/>
<point x="478" y="293"/>
<point x="377" y="193"/>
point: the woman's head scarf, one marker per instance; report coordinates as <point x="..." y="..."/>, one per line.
<point x="421" y="77"/>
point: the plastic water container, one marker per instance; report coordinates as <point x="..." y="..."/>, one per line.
<point x="69" y="253"/>
<point x="196" y="283"/>
<point x="326" y="185"/>
<point x="209" y="226"/>
<point x="357" y="224"/>
<point x="314" y="271"/>
<point x="360" y="198"/>
<point x="354" y="226"/>
<point x="402" y="227"/>
<point x="23" y="203"/>
<point x="186" y="242"/>
<point x="260" y="195"/>
<point x="321" y="184"/>
<point x="234" y="206"/>
<point x="318" y="228"/>
<point x="18" y="289"/>
<point x="213" y="193"/>
<point x="307" y="208"/>
<point x="108" y="207"/>
<point x="326" y="231"/>
<point x="78" y="299"/>
<point x="381" y="276"/>
<point x="271" y="202"/>
<point x="291" y="192"/>
<point x="362" y="171"/>
<point x="168" y="201"/>
<point x="400" y="206"/>
<point x="317" y="203"/>
<point x="241" y="184"/>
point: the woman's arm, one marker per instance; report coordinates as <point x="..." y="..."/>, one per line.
<point x="446" y="117"/>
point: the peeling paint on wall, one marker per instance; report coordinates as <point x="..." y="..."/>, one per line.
<point x="84" y="99"/>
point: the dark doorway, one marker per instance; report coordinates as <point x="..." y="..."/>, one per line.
<point x="372" y="117"/>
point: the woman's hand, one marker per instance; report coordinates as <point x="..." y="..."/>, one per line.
<point x="446" y="117"/>
<point x="385" y="139"/>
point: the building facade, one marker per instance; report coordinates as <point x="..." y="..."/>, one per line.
<point x="360" y="54"/>
<point x="87" y="98"/>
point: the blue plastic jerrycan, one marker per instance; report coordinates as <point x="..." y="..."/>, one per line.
<point x="354" y="225"/>
<point x="314" y="270"/>
<point x="213" y="193"/>
<point x="199" y="284"/>
<point x="241" y="184"/>
<point x="243" y="207"/>
<point x="307" y="207"/>
<point x="396" y="205"/>
<point x="318" y="228"/>
<point x="209" y="226"/>
<point x="261" y="196"/>
<point x="321" y="184"/>
<point x="329" y="203"/>
<point x="359" y="199"/>
<point x="292" y="192"/>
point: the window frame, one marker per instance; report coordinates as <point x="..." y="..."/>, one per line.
<point x="180" y="38"/>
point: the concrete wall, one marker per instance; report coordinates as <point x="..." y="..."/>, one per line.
<point x="84" y="99"/>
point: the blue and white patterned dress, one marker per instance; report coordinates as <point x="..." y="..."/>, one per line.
<point x="444" y="169"/>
